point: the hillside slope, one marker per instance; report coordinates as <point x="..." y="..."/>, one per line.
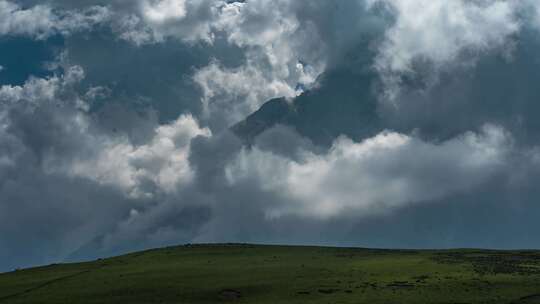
<point x="279" y="274"/>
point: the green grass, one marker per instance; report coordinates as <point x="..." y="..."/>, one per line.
<point x="280" y="274"/>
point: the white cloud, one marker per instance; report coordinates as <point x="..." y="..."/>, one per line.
<point x="279" y="57"/>
<point x="131" y="28"/>
<point x="37" y="91"/>
<point x="278" y="48"/>
<point x="41" y="21"/>
<point x="160" y="165"/>
<point x="153" y="21"/>
<point x="438" y="31"/>
<point x="164" y="10"/>
<point x="235" y="93"/>
<point x="388" y="170"/>
<point x="282" y="47"/>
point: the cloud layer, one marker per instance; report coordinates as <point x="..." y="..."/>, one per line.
<point x="122" y="140"/>
<point x="377" y="174"/>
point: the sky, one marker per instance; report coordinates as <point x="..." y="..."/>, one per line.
<point x="135" y="124"/>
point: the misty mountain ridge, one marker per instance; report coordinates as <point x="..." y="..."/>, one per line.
<point x="342" y="103"/>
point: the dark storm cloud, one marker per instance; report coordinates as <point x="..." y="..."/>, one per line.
<point x="42" y="209"/>
<point x="498" y="89"/>
<point x="44" y="216"/>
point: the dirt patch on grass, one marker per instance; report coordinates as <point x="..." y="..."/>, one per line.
<point x="400" y="285"/>
<point x="521" y="263"/>
<point x="328" y="290"/>
<point x="230" y="295"/>
<point x="530" y="299"/>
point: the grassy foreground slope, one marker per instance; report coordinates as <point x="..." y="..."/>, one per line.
<point x="279" y="274"/>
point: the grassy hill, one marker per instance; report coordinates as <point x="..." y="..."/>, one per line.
<point x="280" y="274"/>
